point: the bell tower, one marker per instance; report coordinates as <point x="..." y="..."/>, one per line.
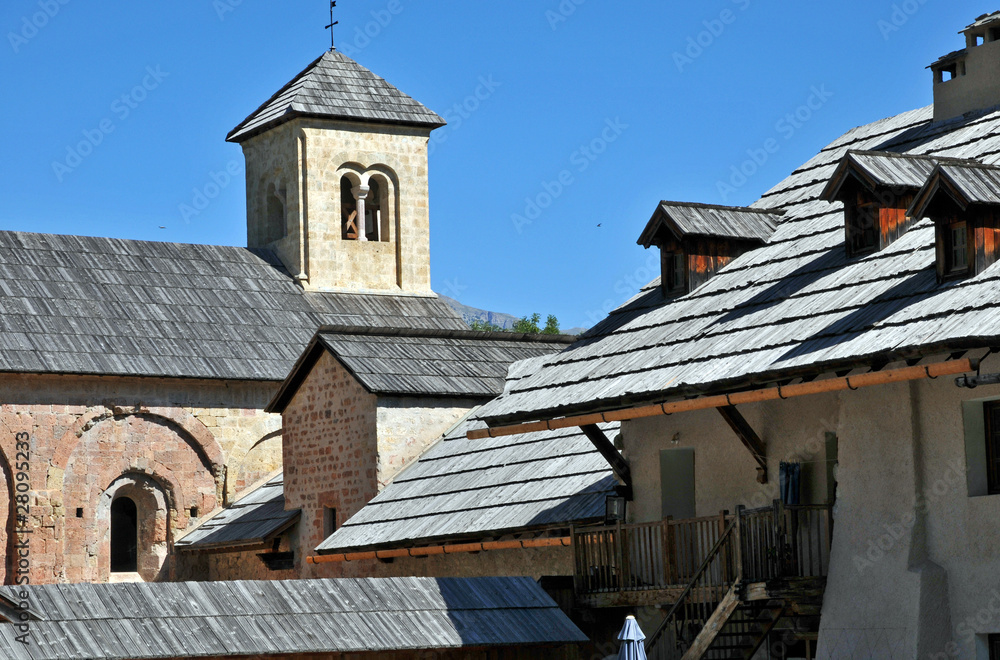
<point x="336" y="166"/>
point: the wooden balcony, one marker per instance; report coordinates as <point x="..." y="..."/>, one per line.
<point x="655" y="563"/>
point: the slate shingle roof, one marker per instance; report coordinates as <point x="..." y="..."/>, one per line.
<point x="252" y="520"/>
<point x="798" y="305"/>
<point x="291" y="617"/>
<point x="81" y="305"/>
<point x="336" y="87"/>
<point x="415" y="362"/>
<point x="473" y="489"/>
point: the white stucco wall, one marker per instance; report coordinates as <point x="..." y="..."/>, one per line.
<point x="915" y="565"/>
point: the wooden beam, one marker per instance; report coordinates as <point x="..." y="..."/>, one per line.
<point x="713" y="626"/>
<point x="429" y="550"/>
<point x="607" y="448"/>
<point x="936" y="370"/>
<point x="748" y="437"/>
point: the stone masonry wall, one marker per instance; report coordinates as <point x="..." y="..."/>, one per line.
<point x="407" y="427"/>
<point x="175" y="447"/>
<point x="330" y="450"/>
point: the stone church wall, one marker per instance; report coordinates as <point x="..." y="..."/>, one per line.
<point x="178" y="448"/>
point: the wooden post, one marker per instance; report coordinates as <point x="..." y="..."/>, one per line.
<point x="669" y="551"/>
<point x="619" y="541"/>
<point x="724" y="559"/>
<point x="577" y="564"/>
<point x="780" y="546"/>
<point x="739" y="542"/>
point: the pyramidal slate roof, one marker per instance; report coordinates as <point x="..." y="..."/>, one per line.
<point x="112" y="307"/>
<point x="798" y="306"/>
<point x="336" y="87"/>
<point x="288" y="618"/>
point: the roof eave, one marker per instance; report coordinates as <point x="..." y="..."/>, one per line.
<point x="730" y="386"/>
<point x="237" y="137"/>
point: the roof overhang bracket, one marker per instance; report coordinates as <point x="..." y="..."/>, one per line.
<point x="607" y="449"/>
<point x="748" y="437"/>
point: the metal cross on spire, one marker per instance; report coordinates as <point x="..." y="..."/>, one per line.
<point x="333" y="23"/>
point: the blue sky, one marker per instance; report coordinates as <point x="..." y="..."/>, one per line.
<point x="594" y="111"/>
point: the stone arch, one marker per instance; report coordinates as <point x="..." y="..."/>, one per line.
<point x="388" y="183"/>
<point x="152" y="500"/>
<point x="189" y="426"/>
<point x="112" y="445"/>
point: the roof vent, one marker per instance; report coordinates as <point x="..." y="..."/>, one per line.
<point x="968" y="80"/>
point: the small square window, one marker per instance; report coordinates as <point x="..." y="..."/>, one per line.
<point x="329" y="521"/>
<point x="992" y="418"/>
<point x="79" y="512"/>
<point x="194" y="512"/>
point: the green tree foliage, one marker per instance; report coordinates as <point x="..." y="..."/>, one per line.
<point x="551" y="326"/>
<point x="485" y="326"/>
<point x="528" y="325"/>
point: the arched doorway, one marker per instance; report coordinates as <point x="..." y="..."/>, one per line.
<point x="124" y="536"/>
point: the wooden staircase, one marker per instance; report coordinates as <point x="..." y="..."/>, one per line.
<point x="759" y="584"/>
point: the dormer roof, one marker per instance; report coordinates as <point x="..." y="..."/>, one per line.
<point x="336" y="87"/>
<point x="683" y="220"/>
<point x="879" y="169"/>
<point x="965" y="183"/>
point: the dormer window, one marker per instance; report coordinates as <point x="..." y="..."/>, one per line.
<point x="675" y="271"/>
<point x="862" y="226"/>
<point x="876" y="189"/>
<point x="696" y="240"/>
<point x="956" y="248"/>
<point x="963" y="200"/>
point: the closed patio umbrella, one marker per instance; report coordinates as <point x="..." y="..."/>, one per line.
<point x="631" y="638"/>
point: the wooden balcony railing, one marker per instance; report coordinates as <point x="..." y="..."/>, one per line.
<point x="643" y="557"/>
<point x="776" y="541"/>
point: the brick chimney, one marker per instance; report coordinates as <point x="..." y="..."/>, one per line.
<point x="969" y="79"/>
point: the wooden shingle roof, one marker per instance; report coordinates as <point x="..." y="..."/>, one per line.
<point x="336" y="87"/>
<point x="473" y="489"/>
<point x="112" y="307"/>
<point x="252" y="520"/>
<point x="797" y="306"/>
<point x="420" y="362"/>
<point x="280" y="618"/>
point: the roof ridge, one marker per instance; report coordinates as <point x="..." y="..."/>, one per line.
<point x="435" y="333"/>
<point x="722" y="207"/>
